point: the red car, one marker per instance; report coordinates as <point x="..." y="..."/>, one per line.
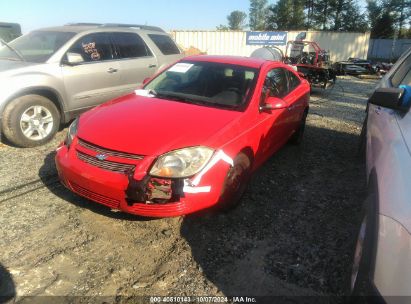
<point x="188" y="139"/>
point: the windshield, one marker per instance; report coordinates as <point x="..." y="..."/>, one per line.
<point x="206" y="83"/>
<point x="37" y="46"/>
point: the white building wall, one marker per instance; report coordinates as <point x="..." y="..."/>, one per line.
<point x="341" y="45"/>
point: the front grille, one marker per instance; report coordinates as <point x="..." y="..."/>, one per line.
<point x="107" y="201"/>
<point x="108" y="152"/>
<point x="105" y="164"/>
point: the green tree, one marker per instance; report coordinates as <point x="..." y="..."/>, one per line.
<point x="321" y="14"/>
<point x="352" y="20"/>
<point x="374" y="14"/>
<point x="384" y="27"/>
<point x="335" y="15"/>
<point x="286" y="15"/>
<point x="236" y="20"/>
<point x="381" y="18"/>
<point x="401" y="13"/>
<point x="258" y="15"/>
<point x="222" y="27"/>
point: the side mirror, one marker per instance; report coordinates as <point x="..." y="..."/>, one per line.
<point x="146" y="80"/>
<point x="302" y="75"/>
<point x="273" y="103"/>
<point x="73" y="59"/>
<point x="392" y="98"/>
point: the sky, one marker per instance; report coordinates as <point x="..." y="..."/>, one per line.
<point x="168" y="14"/>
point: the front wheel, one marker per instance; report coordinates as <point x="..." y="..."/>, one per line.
<point x="30" y="120"/>
<point x="235" y="182"/>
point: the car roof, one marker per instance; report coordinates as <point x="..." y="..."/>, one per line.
<point x="236" y="60"/>
<point x="83" y="27"/>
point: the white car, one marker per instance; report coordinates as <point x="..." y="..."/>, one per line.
<point x="382" y="260"/>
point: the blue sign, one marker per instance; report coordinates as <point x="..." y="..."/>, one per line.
<point x="266" y="38"/>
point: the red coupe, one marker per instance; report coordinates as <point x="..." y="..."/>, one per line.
<point x="188" y="139"/>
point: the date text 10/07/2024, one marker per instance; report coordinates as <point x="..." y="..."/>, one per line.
<point x="202" y="299"/>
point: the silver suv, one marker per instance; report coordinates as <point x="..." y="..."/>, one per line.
<point x="382" y="261"/>
<point x="49" y="76"/>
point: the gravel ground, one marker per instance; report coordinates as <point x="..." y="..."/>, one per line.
<point x="292" y="235"/>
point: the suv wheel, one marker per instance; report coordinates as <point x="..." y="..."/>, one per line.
<point x="30" y="120"/>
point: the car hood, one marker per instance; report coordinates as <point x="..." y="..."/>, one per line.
<point x="153" y="126"/>
<point x="6" y="65"/>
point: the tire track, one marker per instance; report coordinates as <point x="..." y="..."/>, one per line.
<point x="26" y="188"/>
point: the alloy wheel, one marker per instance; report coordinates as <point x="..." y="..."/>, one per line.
<point x="36" y="122"/>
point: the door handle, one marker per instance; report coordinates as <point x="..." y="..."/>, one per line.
<point x="152" y="66"/>
<point x="112" y="70"/>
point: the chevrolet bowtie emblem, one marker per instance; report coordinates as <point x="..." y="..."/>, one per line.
<point x="101" y="156"/>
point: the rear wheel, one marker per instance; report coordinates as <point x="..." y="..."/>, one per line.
<point x="235" y="182"/>
<point x="30" y="120"/>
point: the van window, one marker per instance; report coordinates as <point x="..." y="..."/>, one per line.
<point x="93" y="47"/>
<point x="130" y="45"/>
<point x="165" y="44"/>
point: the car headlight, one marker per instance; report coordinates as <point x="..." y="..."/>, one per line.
<point x="72" y="131"/>
<point x="182" y="163"/>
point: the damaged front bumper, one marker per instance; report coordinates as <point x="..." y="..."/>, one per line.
<point x="139" y="193"/>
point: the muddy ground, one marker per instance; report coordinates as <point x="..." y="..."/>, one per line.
<point x="292" y="235"/>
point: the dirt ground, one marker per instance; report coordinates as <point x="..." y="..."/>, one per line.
<point x="292" y="235"/>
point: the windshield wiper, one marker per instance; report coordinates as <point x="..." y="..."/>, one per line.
<point x="13" y="50"/>
<point x="177" y="97"/>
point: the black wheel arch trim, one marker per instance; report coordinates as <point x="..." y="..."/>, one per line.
<point x="375" y="208"/>
<point x="57" y="99"/>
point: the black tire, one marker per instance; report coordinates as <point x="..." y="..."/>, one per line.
<point x="13" y="124"/>
<point x="360" y="283"/>
<point x="235" y="183"/>
<point x="297" y="137"/>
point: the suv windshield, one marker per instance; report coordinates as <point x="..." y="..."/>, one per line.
<point x="206" y="83"/>
<point x="37" y="46"/>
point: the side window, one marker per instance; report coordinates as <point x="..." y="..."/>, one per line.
<point x="92" y="47"/>
<point x="165" y="44"/>
<point x="407" y="78"/>
<point x="403" y="73"/>
<point x="130" y="45"/>
<point x="276" y="82"/>
<point x="293" y="81"/>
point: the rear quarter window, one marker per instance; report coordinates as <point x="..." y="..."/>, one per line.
<point x="403" y="73"/>
<point x="165" y="44"/>
<point x="130" y="45"/>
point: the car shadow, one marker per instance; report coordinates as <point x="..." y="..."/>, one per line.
<point x="49" y="177"/>
<point x="293" y="233"/>
<point x="7" y="287"/>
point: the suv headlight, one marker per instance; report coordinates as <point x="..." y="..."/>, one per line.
<point x="72" y="131"/>
<point x="182" y="163"/>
